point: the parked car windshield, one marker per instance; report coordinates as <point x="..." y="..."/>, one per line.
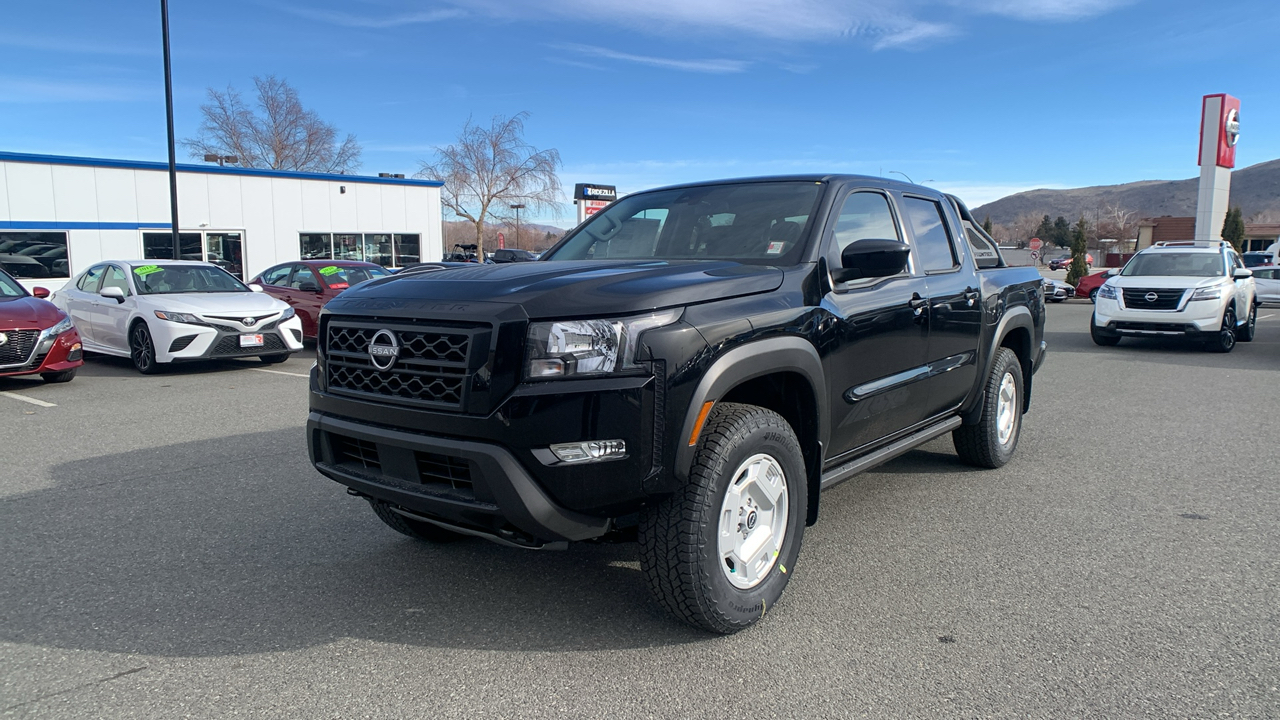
<point x="166" y="279"/>
<point x="755" y="223"/>
<point x="1200" y="264"/>
<point x="10" y="287"/>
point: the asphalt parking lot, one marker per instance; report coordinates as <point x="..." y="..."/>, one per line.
<point x="167" y="551"/>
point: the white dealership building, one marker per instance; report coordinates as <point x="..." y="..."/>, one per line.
<point x="59" y="215"/>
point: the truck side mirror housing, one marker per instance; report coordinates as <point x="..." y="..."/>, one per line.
<point x="871" y="259"/>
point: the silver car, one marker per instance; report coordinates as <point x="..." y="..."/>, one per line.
<point x="1267" y="282"/>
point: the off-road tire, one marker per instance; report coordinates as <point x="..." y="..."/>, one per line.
<point x="679" y="535"/>
<point x="980" y="444"/>
<point x="58" y="377"/>
<point x="142" y="349"/>
<point x="1099" y="337"/>
<point x="1245" y="333"/>
<point x="273" y="359"/>
<point x="416" y="529"/>
<point x="1225" y="341"/>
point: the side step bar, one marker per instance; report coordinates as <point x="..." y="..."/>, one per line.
<point x="837" y="475"/>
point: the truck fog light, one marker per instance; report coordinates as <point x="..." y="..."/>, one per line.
<point x="590" y="450"/>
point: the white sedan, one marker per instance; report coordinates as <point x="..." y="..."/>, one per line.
<point x="162" y="311"/>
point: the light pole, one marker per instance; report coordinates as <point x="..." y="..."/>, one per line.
<point x="896" y="172"/>
<point x="168" y="106"/>
<point x="221" y="159"/>
<point x="517" y="207"/>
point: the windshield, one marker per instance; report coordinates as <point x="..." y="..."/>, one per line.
<point x="339" y="277"/>
<point x="166" y="279"/>
<point x="1201" y="264"/>
<point x="755" y="223"/>
<point x="10" y="287"/>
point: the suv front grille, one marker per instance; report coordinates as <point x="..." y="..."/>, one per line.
<point x="17" y="348"/>
<point x="431" y="369"/>
<point x="1136" y="299"/>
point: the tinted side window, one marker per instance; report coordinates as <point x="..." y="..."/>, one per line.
<point x="276" y="275"/>
<point x="929" y="230"/>
<point x="302" y="275"/>
<point x="864" y="216"/>
<point x="91" y="279"/>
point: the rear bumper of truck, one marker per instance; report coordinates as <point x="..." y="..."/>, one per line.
<point x="475" y="487"/>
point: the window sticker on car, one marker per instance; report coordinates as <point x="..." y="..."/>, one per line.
<point x="329" y="270"/>
<point x="146" y="270"/>
<point x="339" y="286"/>
<point x="775" y="248"/>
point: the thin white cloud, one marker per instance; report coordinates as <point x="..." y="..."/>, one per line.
<point x="1050" y="10"/>
<point x="913" y="35"/>
<point x="72" y="45"/>
<point x="39" y="90"/>
<point x="702" y="66"/>
<point x="362" y="20"/>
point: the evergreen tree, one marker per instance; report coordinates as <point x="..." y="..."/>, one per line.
<point x="1045" y="230"/>
<point x="1233" y="228"/>
<point x="1061" y="232"/>
<point x="986" y="225"/>
<point x="1079" y="249"/>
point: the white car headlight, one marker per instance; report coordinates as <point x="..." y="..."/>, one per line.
<point x="179" y="317"/>
<point x="288" y="313"/>
<point x="1107" y="291"/>
<point x="1208" y="293"/>
<point x="588" y="348"/>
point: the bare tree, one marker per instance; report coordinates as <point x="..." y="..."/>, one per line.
<point x="280" y="135"/>
<point x="488" y="169"/>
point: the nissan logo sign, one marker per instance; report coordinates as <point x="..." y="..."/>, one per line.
<point x="1151" y="297"/>
<point x="384" y="348"/>
<point x="1233" y="127"/>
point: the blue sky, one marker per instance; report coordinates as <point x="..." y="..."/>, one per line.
<point x="980" y="97"/>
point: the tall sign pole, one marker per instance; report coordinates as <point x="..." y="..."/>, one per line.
<point x="173" y="159"/>
<point x="1219" y="131"/>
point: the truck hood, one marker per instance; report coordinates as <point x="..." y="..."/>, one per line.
<point x="580" y="288"/>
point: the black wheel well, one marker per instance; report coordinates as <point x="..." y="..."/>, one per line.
<point x="1019" y="341"/>
<point x="790" y="395"/>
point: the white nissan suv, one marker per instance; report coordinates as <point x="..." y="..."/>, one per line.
<point x="1197" y="290"/>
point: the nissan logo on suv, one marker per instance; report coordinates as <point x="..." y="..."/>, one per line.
<point x="384" y="348"/>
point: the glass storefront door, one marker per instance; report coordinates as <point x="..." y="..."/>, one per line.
<point x="224" y="249"/>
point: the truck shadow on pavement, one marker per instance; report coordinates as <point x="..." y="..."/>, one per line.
<point x="236" y="545"/>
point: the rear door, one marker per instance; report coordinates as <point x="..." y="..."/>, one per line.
<point x="874" y="351"/>
<point x="955" y="313"/>
<point x="81" y="298"/>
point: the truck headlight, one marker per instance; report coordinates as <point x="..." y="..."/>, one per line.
<point x="1107" y="291"/>
<point x="588" y="348"/>
<point x="1208" y="293"/>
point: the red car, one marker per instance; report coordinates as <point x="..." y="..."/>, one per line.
<point x="35" y="336"/>
<point x="1089" y="284"/>
<point x="308" y="284"/>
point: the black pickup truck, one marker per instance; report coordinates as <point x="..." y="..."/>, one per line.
<point x="691" y="368"/>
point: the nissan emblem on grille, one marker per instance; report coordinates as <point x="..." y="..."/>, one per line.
<point x="3" y="338"/>
<point x="248" y="321"/>
<point x="1151" y="297"/>
<point x="384" y="348"/>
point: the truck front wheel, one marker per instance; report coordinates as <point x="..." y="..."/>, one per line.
<point x="991" y="441"/>
<point x="719" y="552"/>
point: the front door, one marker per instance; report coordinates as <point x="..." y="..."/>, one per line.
<point x="874" y="349"/>
<point x="955" y="313"/>
<point x="111" y="317"/>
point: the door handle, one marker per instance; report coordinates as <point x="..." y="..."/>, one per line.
<point x="917" y="303"/>
<point x="970" y="295"/>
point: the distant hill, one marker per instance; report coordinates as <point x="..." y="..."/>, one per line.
<point x="1256" y="189"/>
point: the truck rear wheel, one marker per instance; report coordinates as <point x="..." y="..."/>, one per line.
<point x="991" y="442"/>
<point x="719" y="552"/>
<point x="417" y="529"/>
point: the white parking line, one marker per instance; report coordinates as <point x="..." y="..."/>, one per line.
<point x="280" y="372"/>
<point x="1264" y="317"/>
<point x="26" y="399"/>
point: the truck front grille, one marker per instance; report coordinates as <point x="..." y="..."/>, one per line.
<point x="17" y="347"/>
<point x="354" y="451"/>
<point x="431" y="369"/>
<point x="1138" y="299"/>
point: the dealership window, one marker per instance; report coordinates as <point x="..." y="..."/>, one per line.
<point x="34" y="254"/>
<point x="385" y="249"/>
<point x="224" y="249"/>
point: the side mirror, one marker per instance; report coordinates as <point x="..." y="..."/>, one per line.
<point x="309" y="287"/>
<point x="1113" y="272"/>
<point x="870" y="259"/>
<point x="40" y="292"/>
<point x="113" y="292"/>
<point x="1241" y="273"/>
<point x="255" y="287"/>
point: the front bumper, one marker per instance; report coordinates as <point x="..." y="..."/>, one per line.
<point x="477" y="487"/>
<point x="179" y="342"/>
<point x="1194" y="318"/>
<point x="49" y="355"/>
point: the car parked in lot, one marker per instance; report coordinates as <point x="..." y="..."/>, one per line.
<point x="36" y="338"/>
<point x="306" y="285"/>
<point x="1257" y="258"/>
<point x="1056" y="291"/>
<point x="162" y="311"/>
<point x="1064" y="261"/>
<point x="1196" y="290"/>
<point x="513" y="255"/>
<point x="1089" y="284"/>
<point x="1266" y="281"/>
